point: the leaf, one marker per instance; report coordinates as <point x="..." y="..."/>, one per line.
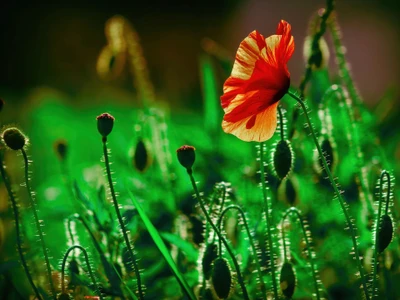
<point x="185" y="246"/>
<point x="161" y="246"/>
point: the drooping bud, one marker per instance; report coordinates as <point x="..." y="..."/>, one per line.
<point x="321" y="54"/>
<point x="186" y="156"/>
<point x="64" y="296"/>
<point x="221" y="278"/>
<point x="105" y="123"/>
<point x="210" y="254"/>
<point x="14" y="138"/>
<point x="385" y="233"/>
<point x="141" y="158"/>
<point x="287" y="280"/>
<point x="61" y="149"/>
<point x="283" y="159"/>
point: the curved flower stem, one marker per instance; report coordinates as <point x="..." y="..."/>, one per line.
<point x="120" y="220"/>
<point x="17" y="227"/>
<point x="281" y="123"/>
<point x="221" y="238"/>
<point x="315" y="44"/>
<point x="338" y="195"/>
<point x="387" y="175"/>
<point x="269" y="223"/>
<point x="64" y="261"/>
<point x="38" y="223"/>
<point x="251" y="241"/>
<point x="295" y="211"/>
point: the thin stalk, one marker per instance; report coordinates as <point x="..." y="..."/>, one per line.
<point x="338" y="195"/>
<point x="221" y="238"/>
<point x="92" y="277"/>
<point x="17" y="228"/>
<point x="110" y="273"/>
<point x="387" y="175"/>
<point x="251" y="241"/>
<point x="281" y="123"/>
<point x="269" y="222"/>
<point x="38" y="224"/>
<point x="120" y="220"/>
<point x="295" y="211"/>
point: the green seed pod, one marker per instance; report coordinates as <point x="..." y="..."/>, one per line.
<point x="141" y="158"/>
<point x="287" y="280"/>
<point x="105" y="124"/>
<point x="14" y="138"/>
<point x="210" y="254"/>
<point x="283" y="159"/>
<point x="221" y="278"/>
<point x="186" y="156"/>
<point x="385" y="233"/>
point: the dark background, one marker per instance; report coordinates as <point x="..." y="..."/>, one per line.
<point x="56" y="45"/>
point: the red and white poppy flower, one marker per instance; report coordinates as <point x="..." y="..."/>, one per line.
<point x="259" y="79"/>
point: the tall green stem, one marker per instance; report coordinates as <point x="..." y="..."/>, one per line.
<point x="38" y="223"/>
<point x="251" y="241"/>
<point x="269" y="223"/>
<point x="17" y="227"/>
<point x="92" y="277"/>
<point x="221" y="238"/>
<point x="120" y="220"/>
<point x="338" y="195"/>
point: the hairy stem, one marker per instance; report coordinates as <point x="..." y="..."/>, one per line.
<point x="121" y="222"/>
<point x="38" y="223"/>
<point x="221" y="238"/>
<point x="251" y="241"/>
<point x="92" y="277"/>
<point x="14" y="204"/>
<point x="338" y="195"/>
<point x="296" y="212"/>
<point x="269" y="222"/>
<point x="281" y="123"/>
<point x="387" y="175"/>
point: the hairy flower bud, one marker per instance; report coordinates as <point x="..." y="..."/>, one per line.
<point x="105" y="123"/>
<point x="14" y="138"/>
<point x="186" y="156"/>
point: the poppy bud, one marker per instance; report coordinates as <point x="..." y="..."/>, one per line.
<point x="105" y="123"/>
<point x="61" y="148"/>
<point x="63" y="296"/>
<point x="186" y="156"/>
<point x="321" y="56"/>
<point x="287" y="280"/>
<point x="385" y="233"/>
<point x="221" y="278"/>
<point x="210" y="254"/>
<point x="141" y="158"/>
<point x="14" y="138"/>
<point x="283" y="159"/>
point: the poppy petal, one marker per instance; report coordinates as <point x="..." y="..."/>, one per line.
<point x="259" y="127"/>
<point x="246" y="58"/>
<point x="286" y="46"/>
